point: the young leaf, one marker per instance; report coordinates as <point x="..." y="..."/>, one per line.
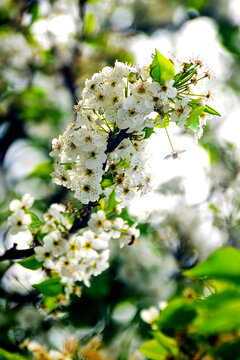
<point x="107" y="181"/>
<point x="163" y="123"/>
<point x="177" y="315"/>
<point x="50" y="303"/>
<point x="162" y="69"/>
<point x="31" y="263"/>
<point x="35" y="220"/>
<point x="167" y="342"/>
<point x="195" y="125"/>
<point x="111" y="203"/>
<point x="211" y="111"/>
<point x="148" y="132"/>
<point x="218" y="313"/>
<point x="50" y="287"/>
<point x="126" y="217"/>
<point x="195" y="114"/>
<point x="34" y="10"/>
<point x="42" y="171"/>
<point x="5" y="355"/>
<point x="224" y="264"/>
<point x="89" y="24"/>
<point x="153" y="350"/>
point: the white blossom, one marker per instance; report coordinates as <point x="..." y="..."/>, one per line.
<point x="181" y="112"/>
<point x="56" y="244"/>
<point x="19" y="221"/>
<point x="150" y="315"/>
<point x="97" y="222"/>
<point x="26" y="203"/>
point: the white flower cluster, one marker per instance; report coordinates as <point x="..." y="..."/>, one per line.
<point x="123" y="99"/>
<point x="115" y="229"/>
<point x="73" y="257"/>
<point x="115" y="99"/>
<point x="20" y="220"/>
<point x="77" y="257"/>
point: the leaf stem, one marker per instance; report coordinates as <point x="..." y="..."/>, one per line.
<point x="169" y="139"/>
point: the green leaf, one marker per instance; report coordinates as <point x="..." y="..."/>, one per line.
<point x="195" y="125"/>
<point x="162" y="69"/>
<point x="153" y="350"/>
<point x="50" y="287"/>
<point x="195" y="114"/>
<point x="217" y="313"/>
<point x="125" y="163"/>
<point x="111" y="203"/>
<point x="5" y="355"/>
<point x="211" y="111"/>
<point x="224" y="264"/>
<point x="92" y="1"/>
<point x="213" y="207"/>
<point x="101" y="204"/>
<point x="50" y="303"/>
<point x="89" y="24"/>
<point x="167" y="342"/>
<point x="34" y="10"/>
<point x="148" y="132"/>
<point x="178" y="314"/>
<point x="31" y="263"/>
<point x="107" y="181"/>
<point x="42" y="171"/>
<point x="163" y="123"/>
<point x="35" y="220"/>
<point x="128" y="218"/>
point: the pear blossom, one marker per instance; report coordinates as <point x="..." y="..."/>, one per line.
<point x="19" y="221"/>
<point x="97" y="222"/>
<point x="150" y="315"/>
<point x="25" y="204"/>
<point x="181" y="112"/>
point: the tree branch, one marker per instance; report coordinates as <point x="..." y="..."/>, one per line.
<point x="82" y="221"/>
<point x="14" y="253"/>
<point x="113" y="143"/>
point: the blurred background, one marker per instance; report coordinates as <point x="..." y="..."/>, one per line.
<point x="47" y="50"/>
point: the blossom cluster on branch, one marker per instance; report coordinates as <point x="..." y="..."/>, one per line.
<point x="72" y="257"/>
<point x="130" y="101"/>
<point x="101" y="157"/>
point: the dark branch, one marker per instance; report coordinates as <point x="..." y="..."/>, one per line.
<point x="14" y="253"/>
<point x="81" y="221"/>
<point x="113" y="143"/>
